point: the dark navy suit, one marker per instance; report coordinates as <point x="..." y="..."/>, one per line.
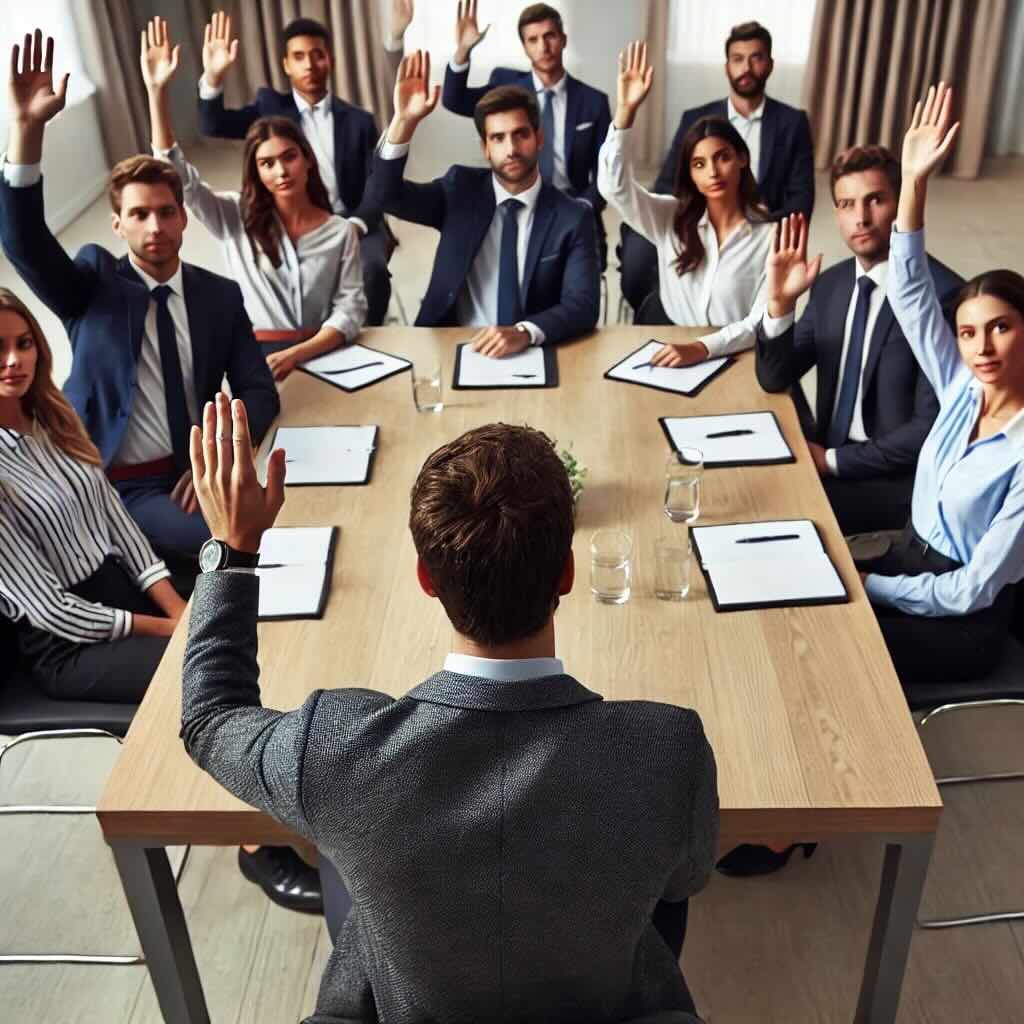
<point x="103" y="302"/>
<point x="560" y="286"/>
<point x="785" y="182"/>
<point x="355" y="135"/>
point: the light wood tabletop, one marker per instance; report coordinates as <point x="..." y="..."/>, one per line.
<point x="802" y="707"/>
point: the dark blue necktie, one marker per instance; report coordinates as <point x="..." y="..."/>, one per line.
<point x="510" y="305"/>
<point x="174" y="384"/>
<point x="547" y="153"/>
<point x="839" y="428"/>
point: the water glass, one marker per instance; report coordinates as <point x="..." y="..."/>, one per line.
<point x="683" y="472"/>
<point x="426" y="386"/>
<point x="611" y="566"/>
<point x="672" y="568"/>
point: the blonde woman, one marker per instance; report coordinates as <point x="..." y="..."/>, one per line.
<point x="93" y="605"/>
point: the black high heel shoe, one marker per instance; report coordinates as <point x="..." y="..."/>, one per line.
<point x="747" y="859"/>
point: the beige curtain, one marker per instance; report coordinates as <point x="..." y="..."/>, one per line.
<point x="871" y="60"/>
<point x="650" y="123"/>
<point x="363" y="73"/>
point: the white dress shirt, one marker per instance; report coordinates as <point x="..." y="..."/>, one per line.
<point x="727" y="287"/>
<point x="750" y="131"/>
<point x="477" y="302"/>
<point x="879" y="273"/>
<point x="503" y="670"/>
<point x="560" y="101"/>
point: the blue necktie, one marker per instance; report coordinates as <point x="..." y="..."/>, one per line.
<point x="510" y="305"/>
<point x="839" y="428"/>
<point x="547" y="154"/>
<point x="174" y="384"/>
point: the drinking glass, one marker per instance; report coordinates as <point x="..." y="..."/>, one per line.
<point x="683" y="472"/>
<point x="611" y="566"/>
<point x="426" y="386"/>
<point x="672" y="567"/>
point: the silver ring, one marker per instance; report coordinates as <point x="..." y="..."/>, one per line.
<point x="222" y="437"/>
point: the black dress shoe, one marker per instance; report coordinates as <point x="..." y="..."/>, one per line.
<point x="284" y="876"/>
<point x="747" y="859"/>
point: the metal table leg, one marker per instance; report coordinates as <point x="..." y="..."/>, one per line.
<point x="153" y="899"/>
<point x="903" y="874"/>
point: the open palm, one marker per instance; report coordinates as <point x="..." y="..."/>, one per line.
<point x="31" y="96"/>
<point x="789" y="272"/>
<point x="414" y="98"/>
<point x="220" y="51"/>
<point x="931" y="134"/>
<point x="635" y="76"/>
<point x="467" y="30"/>
<point x="158" y="58"/>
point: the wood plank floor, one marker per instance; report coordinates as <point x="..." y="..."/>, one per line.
<point x="788" y="948"/>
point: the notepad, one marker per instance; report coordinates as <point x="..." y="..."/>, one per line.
<point x="295" y="569"/>
<point x="683" y="380"/>
<point x="745" y="569"/>
<point x="355" y="367"/>
<point x="534" y="367"/>
<point x="732" y="439"/>
<point x="326" y="455"/>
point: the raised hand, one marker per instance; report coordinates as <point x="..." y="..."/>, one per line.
<point x="219" y="50"/>
<point x="467" y="33"/>
<point x="790" y="273"/>
<point x="634" y="83"/>
<point x="158" y="58"/>
<point x="931" y="134"/>
<point x="31" y="98"/>
<point x="401" y="17"/>
<point x="414" y="96"/>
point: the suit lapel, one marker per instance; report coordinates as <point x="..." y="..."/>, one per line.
<point x="480" y="215"/>
<point x="138" y="304"/>
<point x="573" y="102"/>
<point x="769" y="127"/>
<point x="543" y="218"/>
<point x="198" y="323"/>
<point x="289" y="108"/>
<point x="339" y="139"/>
<point x="885" y="322"/>
<point x="829" y="355"/>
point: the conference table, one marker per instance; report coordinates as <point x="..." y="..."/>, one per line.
<point x="810" y="730"/>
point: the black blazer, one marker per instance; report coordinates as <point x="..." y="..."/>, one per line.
<point x="355" y="135"/>
<point x="103" y="303"/>
<point x="561" y="281"/>
<point x="898" y="404"/>
<point x="504" y="844"/>
<point x="786" y="175"/>
<point x="587" y="117"/>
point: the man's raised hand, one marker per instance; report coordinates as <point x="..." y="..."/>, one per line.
<point x="467" y="32"/>
<point x="32" y="100"/>
<point x="414" y="96"/>
<point x="634" y="83"/>
<point x="931" y="133"/>
<point x="220" y="51"/>
<point x="158" y="58"/>
<point x="790" y="273"/>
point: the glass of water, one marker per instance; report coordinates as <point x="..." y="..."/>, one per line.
<point x="426" y="386"/>
<point x="672" y="567"/>
<point x="611" y="566"/>
<point x="683" y="472"/>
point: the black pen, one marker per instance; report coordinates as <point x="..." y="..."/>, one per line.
<point x="640" y="366"/>
<point x="729" y="433"/>
<point x="761" y="540"/>
<point x="273" y="565"/>
<point x="524" y="375"/>
<point x="352" y="369"/>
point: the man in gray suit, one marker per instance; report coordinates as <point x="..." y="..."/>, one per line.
<point x="516" y="848"/>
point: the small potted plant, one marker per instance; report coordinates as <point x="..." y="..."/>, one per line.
<point x="576" y="470"/>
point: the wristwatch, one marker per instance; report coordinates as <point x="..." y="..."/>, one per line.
<point x="215" y="554"/>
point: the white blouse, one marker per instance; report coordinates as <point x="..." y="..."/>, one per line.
<point x="727" y="287"/>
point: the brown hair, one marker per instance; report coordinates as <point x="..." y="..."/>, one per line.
<point x="748" y="31"/>
<point x="865" y="158"/>
<point x="1006" y="285"/>
<point x="692" y="203"/>
<point x="539" y="12"/>
<point x="492" y="519"/>
<point x="258" y="208"/>
<point x="143" y="170"/>
<point x="503" y="98"/>
<point x="44" y="400"/>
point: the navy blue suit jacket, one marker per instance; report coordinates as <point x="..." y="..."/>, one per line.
<point x="785" y="179"/>
<point x="898" y="404"/>
<point x="561" y="281"/>
<point x="587" y="117"/>
<point x="355" y="135"/>
<point x="103" y="302"/>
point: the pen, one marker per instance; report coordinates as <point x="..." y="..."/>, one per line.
<point x="272" y="565"/>
<point x="640" y="366"/>
<point x="729" y="433"/>
<point x="524" y="375"/>
<point x="352" y="369"/>
<point x="761" y="540"/>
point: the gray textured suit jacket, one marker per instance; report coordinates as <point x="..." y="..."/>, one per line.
<point x="504" y="844"/>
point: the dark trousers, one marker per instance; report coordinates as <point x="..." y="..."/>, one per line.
<point x="174" y="533"/>
<point x="874" y="503"/>
<point x="115" y="670"/>
<point x="375" y="250"/>
<point x="638" y="266"/>
<point x="937" y="649"/>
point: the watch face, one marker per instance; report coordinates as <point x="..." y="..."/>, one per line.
<point x="211" y="555"/>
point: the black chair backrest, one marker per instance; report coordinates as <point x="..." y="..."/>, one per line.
<point x="9" y="652"/>
<point x="652" y="312"/>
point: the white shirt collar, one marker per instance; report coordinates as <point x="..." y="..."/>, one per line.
<point x="503" y="670"/>
<point x="558" y="88"/>
<point x="527" y="198"/>
<point x="879" y="273"/>
<point x="1014" y="429"/>
<point x="322" y="106"/>
<point x="735" y="115"/>
<point x="173" y="282"/>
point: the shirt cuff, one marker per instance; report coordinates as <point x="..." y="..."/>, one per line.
<point x="154" y="574"/>
<point x="207" y="91"/>
<point x="123" y="623"/>
<point x="831" y="462"/>
<point x="359" y="223"/>
<point x="458" y="68"/>
<point x="715" y="344"/>
<point x="907" y="243"/>
<point x="881" y="589"/>
<point x="537" y="336"/>
<point x="774" y="328"/>
<point x="393" y="150"/>
<point x="21" y="175"/>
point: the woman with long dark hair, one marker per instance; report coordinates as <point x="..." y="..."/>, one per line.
<point x="713" y="236"/>
<point x="296" y="262"/>
<point x="93" y="605"/>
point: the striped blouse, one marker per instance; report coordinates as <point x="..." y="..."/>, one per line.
<point x="59" y="520"/>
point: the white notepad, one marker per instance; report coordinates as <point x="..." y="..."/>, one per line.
<point x="326" y="455"/>
<point x="526" y="369"/>
<point x="355" y="366"/>
<point x="733" y="439"/>
<point x="683" y="380"/>
<point x="294" y="569"/>
<point x="766" y="573"/>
